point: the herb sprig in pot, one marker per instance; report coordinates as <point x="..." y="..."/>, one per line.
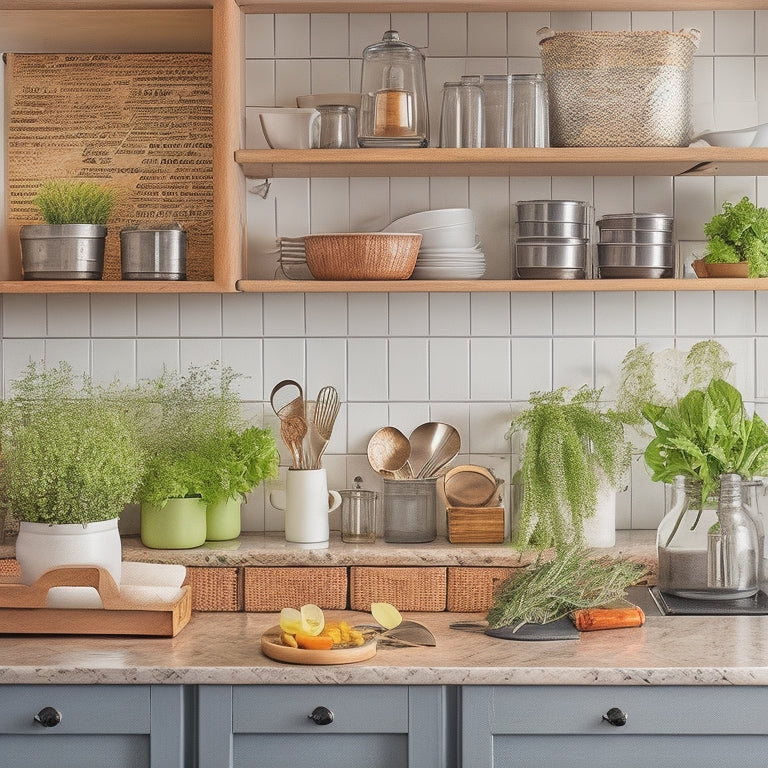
<point x="571" y="447"/>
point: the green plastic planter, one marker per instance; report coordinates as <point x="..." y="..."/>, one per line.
<point x="180" y="524"/>
<point x="223" y="520"/>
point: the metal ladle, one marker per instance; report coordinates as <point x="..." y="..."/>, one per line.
<point x="388" y="452"/>
<point x="446" y="444"/>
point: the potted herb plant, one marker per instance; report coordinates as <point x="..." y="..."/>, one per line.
<point x="70" y="461"/>
<point x="70" y="244"/>
<point x="574" y="456"/>
<point x="700" y="431"/>
<point x="738" y="242"/>
<point x="202" y="458"/>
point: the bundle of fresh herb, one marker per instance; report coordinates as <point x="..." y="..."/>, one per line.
<point x="571" y="444"/>
<point x="739" y="233"/>
<point x="545" y="592"/>
<point x="63" y="201"/>
<point x="704" y="435"/>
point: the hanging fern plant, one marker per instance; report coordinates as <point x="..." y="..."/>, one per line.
<point x="570" y="445"/>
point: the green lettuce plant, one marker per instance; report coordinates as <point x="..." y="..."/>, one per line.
<point x="196" y="441"/>
<point x="571" y="445"/>
<point x="69" y="449"/>
<point x="739" y="233"/>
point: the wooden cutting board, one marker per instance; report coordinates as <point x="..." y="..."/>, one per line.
<point x="272" y="646"/>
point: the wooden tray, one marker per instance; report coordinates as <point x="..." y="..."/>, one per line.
<point x="272" y="647"/>
<point x="23" y="609"/>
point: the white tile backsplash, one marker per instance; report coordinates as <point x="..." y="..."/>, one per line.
<point x="469" y="359"/>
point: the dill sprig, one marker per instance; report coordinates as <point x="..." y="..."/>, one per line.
<point x="547" y="591"/>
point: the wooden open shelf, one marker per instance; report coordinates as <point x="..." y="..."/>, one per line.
<point x="550" y="161"/>
<point x="498" y="286"/>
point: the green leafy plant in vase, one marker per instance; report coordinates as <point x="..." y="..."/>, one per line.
<point x="700" y="431"/>
<point x="201" y="455"/>
<point x="737" y="235"/>
<point x="70" y="244"/>
<point x="70" y="460"/>
<point x="574" y="451"/>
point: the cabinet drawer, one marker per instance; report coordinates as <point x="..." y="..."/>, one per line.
<point x="355" y="708"/>
<point x="574" y="709"/>
<point x="92" y="709"/>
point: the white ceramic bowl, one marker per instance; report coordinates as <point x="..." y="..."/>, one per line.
<point x="315" y="100"/>
<point x="742" y="137"/>
<point x="426" y="220"/>
<point x="289" y="127"/>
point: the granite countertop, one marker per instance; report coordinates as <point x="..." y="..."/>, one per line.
<point x="221" y="648"/>
<point x="271" y="549"/>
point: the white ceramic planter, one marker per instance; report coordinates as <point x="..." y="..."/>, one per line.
<point x="40" y="547"/>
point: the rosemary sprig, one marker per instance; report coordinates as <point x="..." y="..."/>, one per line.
<point x="545" y="592"/>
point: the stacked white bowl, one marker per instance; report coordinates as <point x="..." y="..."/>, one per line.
<point x="450" y="247"/>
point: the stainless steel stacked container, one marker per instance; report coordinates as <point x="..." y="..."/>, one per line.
<point x="636" y="245"/>
<point x="552" y="239"/>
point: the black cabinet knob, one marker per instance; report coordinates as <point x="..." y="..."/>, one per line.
<point x="321" y="716"/>
<point x="616" y="717"/>
<point x="49" y="717"/>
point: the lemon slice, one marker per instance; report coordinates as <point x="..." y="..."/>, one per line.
<point x="312" y="619"/>
<point x="386" y="614"/>
<point x="290" y="621"/>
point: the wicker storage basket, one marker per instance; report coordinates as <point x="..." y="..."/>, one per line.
<point x="214" y="589"/>
<point x="619" y="89"/>
<point x="362" y="255"/>
<point x="408" y="589"/>
<point x="471" y="589"/>
<point x="271" y="589"/>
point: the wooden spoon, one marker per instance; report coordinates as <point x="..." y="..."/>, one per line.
<point x="388" y="451"/>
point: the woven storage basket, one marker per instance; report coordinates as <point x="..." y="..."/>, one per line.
<point x="471" y="589"/>
<point x="619" y="89"/>
<point x="362" y="255"/>
<point x="214" y="589"/>
<point x="408" y="589"/>
<point x="271" y="589"/>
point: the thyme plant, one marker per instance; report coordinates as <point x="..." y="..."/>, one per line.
<point x="569" y="445"/>
<point x="69" y="449"/>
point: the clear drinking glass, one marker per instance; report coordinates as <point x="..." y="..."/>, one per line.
<point x="472" y="111"/>
<point x="497" y="113"/>
<point x="530" y="111"/>
<point x="451" y="116"/>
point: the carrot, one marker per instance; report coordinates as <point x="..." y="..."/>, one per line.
<point x="589" y="619"/>
<point x="314" y="642"/>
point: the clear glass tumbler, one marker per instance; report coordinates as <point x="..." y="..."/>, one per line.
<point x="472" y="101"/>
<point x="450" y="116"/>
<point x="530" y="111"/>
<point x="497" y="94"/>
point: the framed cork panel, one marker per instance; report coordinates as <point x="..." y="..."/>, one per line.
<point x="143" y="122"/>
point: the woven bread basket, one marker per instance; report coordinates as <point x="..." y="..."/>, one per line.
<point x="619" y="89"/>
<point x="362" y="255"/>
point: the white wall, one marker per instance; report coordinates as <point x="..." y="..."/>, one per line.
<point x="402" y="359"/>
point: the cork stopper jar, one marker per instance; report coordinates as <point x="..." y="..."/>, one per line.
<point x="393" y="110"/>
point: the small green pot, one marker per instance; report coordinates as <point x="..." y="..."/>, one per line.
<point x="223" y="520"/>
<point x="180" y="524"/>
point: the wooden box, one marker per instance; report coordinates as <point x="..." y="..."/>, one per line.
<point x="271" y="589"/>
<point x="471" y="589"/>
<point x="475" y="525"/>
<point x="408" y="589"/>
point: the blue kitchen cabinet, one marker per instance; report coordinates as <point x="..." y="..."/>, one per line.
<point x="93" y="726"/>
<point x="581" y="726"/>
<point x="269" y="726"/>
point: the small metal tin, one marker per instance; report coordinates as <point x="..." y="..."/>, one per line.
<point x="553" y="210"/>
<point x="153" y="254"/>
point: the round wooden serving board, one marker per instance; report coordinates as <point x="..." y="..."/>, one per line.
<point x="273" y="647"/>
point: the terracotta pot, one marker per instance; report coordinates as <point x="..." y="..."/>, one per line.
<point x="704" y="269"/>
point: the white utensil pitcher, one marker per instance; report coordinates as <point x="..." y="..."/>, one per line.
<point x="307" y="502"/>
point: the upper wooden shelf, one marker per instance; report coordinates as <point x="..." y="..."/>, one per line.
<point x="464" y="6"/>
<point x="570" y="161"/>
<point x="102" y="5"/>
<point x="497" y="286"/>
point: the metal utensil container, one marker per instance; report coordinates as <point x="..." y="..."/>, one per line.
<point x="409" y="508"/>
<point x="153" y="254"/>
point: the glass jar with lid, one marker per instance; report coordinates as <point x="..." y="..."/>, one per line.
<point x="393" y="110"/>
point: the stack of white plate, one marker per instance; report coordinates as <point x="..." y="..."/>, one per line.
<point x="450" y="247"/>
<point x="293" y="259"/>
